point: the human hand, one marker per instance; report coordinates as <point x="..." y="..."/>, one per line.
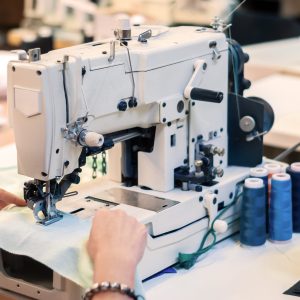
<point x="116" y="245"/>
<point x="7" y="198"/>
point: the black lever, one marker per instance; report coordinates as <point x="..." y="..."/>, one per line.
<point x="206" y="95"/>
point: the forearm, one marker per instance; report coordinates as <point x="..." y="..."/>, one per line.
<point x="116" y="245"/>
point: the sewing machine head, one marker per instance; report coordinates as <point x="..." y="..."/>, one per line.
<point x="161" y="91"/>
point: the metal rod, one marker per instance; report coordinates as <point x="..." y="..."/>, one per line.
<point x="287" y="152"/>
<point x="235" y="9"/>
<point x="126" y="136"/>
<point x="65" y="88"/>
<point x="48" y="199"/>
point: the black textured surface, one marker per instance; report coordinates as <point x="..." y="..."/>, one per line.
<point x="294" y="290"/>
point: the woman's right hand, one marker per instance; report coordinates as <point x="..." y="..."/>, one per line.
<point x="116" y="245"/>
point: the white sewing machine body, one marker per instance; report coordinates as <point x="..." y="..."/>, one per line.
<point x="135" y="93"/>
<point x="162" y="69"/>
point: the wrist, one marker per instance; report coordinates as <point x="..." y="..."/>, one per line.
<point x="108" y="290"/>
<point x="117" y="269"/>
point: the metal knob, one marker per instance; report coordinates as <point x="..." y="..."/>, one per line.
<point x="122" y="106"/>
<point x="218" y="151"/>
<point x="91" y="139"/>
<point x="247" y="123"/>
<point x="198" y="165"/>
<point x="123" y="31"/>
<point x="218" y="171"/>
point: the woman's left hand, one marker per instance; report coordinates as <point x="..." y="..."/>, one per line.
<point x="7" y="198"/>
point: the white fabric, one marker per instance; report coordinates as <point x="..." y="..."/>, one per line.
<point x="60" y="246"/>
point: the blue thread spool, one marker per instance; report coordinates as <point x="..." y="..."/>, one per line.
<point x="253" y="213"/>
<point x="262" y="173"/>
<point x="294" y="171"/>
<point x="273" y="168"/>
<point x="280" y="214"/>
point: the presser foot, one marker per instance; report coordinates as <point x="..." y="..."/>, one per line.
<point x="50" y="220"/>
<point x="46" y="216"/>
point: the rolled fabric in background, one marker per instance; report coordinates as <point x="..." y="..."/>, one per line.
<point x="280" y="214"/>
<point x="253" y="213"/>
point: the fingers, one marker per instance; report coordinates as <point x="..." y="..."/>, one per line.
<point x="115" y="228"/>
<point x="8" y="198"/>
<point x="2" y="204"/>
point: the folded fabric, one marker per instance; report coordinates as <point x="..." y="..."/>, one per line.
<point x="61" y="246"/>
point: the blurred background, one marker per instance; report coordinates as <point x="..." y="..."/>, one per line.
<point x="268" y="28"/>
<point x="59" y="23"/>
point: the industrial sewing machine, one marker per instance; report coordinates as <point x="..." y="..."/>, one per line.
<point x="172" y="98"/>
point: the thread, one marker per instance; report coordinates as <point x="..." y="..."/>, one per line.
<point x="273" y="168"/>
<point x="262" y="173"/>
<point x="253" y="213"/>
<point x="294" y="171"/>
<point x="280" y="214"/>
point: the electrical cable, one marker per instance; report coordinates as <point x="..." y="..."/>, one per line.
<point x="188" y="260"/>
<point x="235" y="59"/>
<point x="66" y="95"/>
<point x="131" y="69"/>
<point x="85" y="102"/>
<point x="235" y="9"/>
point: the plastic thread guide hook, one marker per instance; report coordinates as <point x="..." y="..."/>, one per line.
<point x="211" y="204"/>
<point x="112" y="51"/>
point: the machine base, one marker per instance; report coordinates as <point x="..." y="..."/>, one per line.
<point x="54" y="286"/>
<point x="176" y="221"/>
